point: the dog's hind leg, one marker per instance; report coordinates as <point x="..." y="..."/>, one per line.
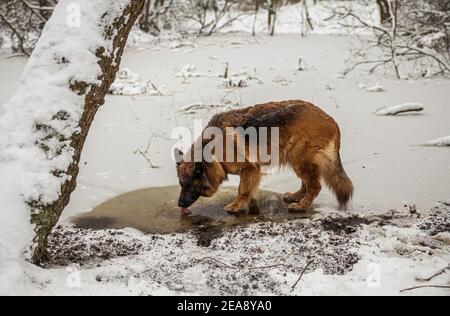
<point x="310" y="173"/>
<point x="295" y="197"/>
<point x="250" y="180"/>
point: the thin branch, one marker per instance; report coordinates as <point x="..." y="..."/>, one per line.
<point x="431" y="55"/>
<point x="301" y="275"/>
<point x="33" y="11"/>
<point x="218" y="262"/>
<point x="440" y="272"/>
<point x="21" y="40"/>
<point x="226" y="265"/>
<point x="424" y="287"/>
<point x="268" y="267"/>
<point x="401" y="40"/>
<point x="146" y="153"/>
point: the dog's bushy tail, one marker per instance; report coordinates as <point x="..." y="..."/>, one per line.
<point x="334" y="175"/>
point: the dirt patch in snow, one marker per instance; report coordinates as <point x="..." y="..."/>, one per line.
<point x="262" y="258"/>
<point x="79" y="246"/>
<point x="328" y="242"/>
<point x="438" y="221"/>
<point x="301" y="240"/>
<point x="234" y="261"/>
<point x="348" y="225"/>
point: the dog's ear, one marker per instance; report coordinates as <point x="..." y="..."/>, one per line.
<point x="178" y="155"/>
<point x="199" y="169"/>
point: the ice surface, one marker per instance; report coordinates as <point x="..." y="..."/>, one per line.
<point x="388" y="173"/>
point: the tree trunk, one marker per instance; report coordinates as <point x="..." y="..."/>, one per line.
<point x="385" y="14"/>
<point x="57" y="135"/>
<point x="255" y="17"/>
<point x="44" y="4"/>
<point x="144" y="23"/>
<point x="272" y="10"/>
<point x="45" y="217"/>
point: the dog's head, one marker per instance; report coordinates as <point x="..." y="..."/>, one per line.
<point x="197" y="179"/>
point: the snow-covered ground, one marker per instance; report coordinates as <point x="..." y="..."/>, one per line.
<point x="383" y="156"/>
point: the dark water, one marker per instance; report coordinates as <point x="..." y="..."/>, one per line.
<point x="155" y="211"/>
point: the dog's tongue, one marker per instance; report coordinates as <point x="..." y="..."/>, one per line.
<point x="185" y="211"/>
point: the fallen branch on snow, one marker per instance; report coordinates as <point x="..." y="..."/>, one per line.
<point x="188" y="71"/>
<point x="235" y="82"/>
<point x="202" y="106"/>
<point x="226" y="265"/>
<point x="146" y="153"/>
<point x="128" y="83"/>
<point x="219" y="262"/>
<point x="240" y="79"/>
<point x="281" y="80"/>
<point x="376" y="88"/>
<point x="399" y="109"/>
<point x="440" y="272"/>
<point x="425" y="286"/>
<point x="301" y="275"/>
<point x="440" y="142"/>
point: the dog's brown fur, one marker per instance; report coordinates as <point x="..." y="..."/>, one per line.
<point x="309" y="143"/>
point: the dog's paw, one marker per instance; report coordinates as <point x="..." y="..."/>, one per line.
<point x="299" y="207"/>
<point x="291" y="198"/>
<point x="236" y="208"/>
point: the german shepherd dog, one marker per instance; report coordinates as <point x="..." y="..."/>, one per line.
<point x="309" y="142"/>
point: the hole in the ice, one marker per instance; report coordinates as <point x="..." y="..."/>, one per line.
<point x="155" y="211"/>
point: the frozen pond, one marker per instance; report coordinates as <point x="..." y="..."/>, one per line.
<point x="381" y="154"/>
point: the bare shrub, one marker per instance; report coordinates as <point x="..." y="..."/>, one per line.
<point x="416" y="36"/>
<point x="22" y="21"/>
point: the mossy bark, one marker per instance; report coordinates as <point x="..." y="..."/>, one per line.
<point x="45" y="217"/>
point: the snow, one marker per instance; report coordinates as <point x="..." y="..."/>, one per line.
<point x="441" y="142"/>
<point x="380" y="256"/>
<point x="188" y="71"/>
<point x="241" y="79"/>
<point x="43" y="93"/>
<point x="5" y="42"/>
<point x="400" y="108"/>
<point x="128" y="83"/>
<point x="376" y="88"/>
<point x="376" y="153"/>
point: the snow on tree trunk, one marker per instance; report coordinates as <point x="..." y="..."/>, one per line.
<point x="44" y="126"/>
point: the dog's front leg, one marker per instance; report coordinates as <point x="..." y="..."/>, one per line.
<point x="250" y="180"/>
